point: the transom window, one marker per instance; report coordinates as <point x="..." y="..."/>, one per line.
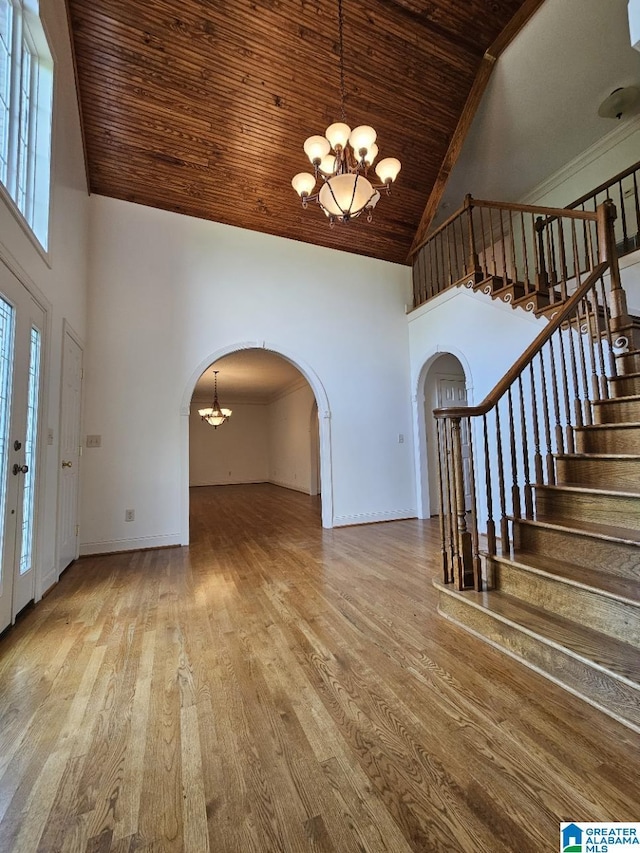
<point x="26" y="97"/>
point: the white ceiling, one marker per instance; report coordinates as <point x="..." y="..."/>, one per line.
<point x="248" y="376"/>
<point x="540" y="108"/>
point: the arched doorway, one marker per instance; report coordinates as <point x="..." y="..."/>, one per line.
<point x="280" y="474"/>
<point x="442" y="382"/>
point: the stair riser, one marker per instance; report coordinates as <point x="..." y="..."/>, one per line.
<point x="622" y="440"/>
<point x="599" y="473"/>
<point x="617" y="619"/>
<point x="614" y="558"/>
<point x="618" y="510"/>
<point x="600" y="688"/>
<point x="624" y="386"/>
<point x="616" y="412"/>
<point x="628" y="362"/>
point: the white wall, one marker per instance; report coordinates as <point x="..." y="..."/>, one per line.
<point x="290" y="439"/>
<point x="58" y="280"/>
<point x="236" y="452"/>
<point x="171" y="293"/>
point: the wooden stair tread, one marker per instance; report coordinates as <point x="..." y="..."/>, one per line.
<point x="625" y="457"/>
<point x="622" y="535"/>
<point x="597" y="649"/>
<point x="588" y="490"/>
<point x="623" y="376"/>
<point x="630" y="398"/>
<point x="623" y="425"/>
<point x="612" y="586"/>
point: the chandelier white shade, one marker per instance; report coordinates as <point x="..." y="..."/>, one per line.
<point x="214" y="414"/>
<point x="341" y="159"/>
<point x="341" y="182"/>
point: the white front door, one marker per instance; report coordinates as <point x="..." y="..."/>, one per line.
<point x="22" y="323"/>
<point x="69" y="458"/>
<point x="453" y="392"/>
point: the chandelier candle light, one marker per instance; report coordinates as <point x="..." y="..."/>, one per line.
<point x="215" y="416"/>
<point x="341" y="161"/>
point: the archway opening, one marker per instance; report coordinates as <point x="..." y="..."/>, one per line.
<point x="445" y="384"/>
<point x="271" y="438"/>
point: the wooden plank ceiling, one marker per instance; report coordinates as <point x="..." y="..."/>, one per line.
<point x="202" y="106"/>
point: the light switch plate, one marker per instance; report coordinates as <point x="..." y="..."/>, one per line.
<point x="94" y="441"/>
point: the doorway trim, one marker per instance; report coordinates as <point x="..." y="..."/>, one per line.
<point x="421" y="459"/>
<point x="324" y="414"/>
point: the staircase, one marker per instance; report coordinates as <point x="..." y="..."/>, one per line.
<point x="558" y="588"/>
<point x="566" y="600"/>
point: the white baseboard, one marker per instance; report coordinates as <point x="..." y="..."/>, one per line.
<point x="234" y="482"/>
<point x="373" y="517"/>
<point x="46" y="582"/>
<point x="89" y="548"/>
<point x="284" y="485"/>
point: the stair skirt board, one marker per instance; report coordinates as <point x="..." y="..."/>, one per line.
<point x="556" y="663"/>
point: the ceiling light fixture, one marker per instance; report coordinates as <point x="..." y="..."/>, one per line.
<point x="341" y="161"/>
<point x="215" y="416"/>
<point x="619" y="102"/>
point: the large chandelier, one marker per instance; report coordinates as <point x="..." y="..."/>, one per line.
<point x="341" y="161"/>
<point x="214" y="415"/>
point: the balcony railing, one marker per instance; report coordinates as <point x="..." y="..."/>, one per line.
<point x="623" y="191"/>
<point x="519" y="253"/>
<point x="525" y="255"/>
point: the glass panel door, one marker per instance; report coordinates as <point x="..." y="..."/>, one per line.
<point x="21" y="324"/>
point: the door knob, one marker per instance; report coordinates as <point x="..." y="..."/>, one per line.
<point x="20" y="469"/>
<point x="67" y="464"/>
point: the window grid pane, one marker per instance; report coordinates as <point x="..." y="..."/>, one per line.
<point x="6" y="30"/>
<point x="7" y="315"/>
<point x="28" y="500"/>
<point x="23" y="130"/>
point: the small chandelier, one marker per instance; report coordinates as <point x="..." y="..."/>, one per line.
<point x="341" y="161"/>
<point x="215" y="416"/>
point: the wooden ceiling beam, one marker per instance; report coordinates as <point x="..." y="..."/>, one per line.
<point x="526" y="11"/>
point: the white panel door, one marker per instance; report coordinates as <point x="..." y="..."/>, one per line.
<point x="21" y="328"/>
<point x="453" y="392"/>
<point x="69" y="458"/>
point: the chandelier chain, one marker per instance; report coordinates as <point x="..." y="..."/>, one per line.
<point x="340" y="30"/>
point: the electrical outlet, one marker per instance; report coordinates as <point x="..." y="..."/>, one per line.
<point x="400" y="438"/>
<point x="49" y="436"/>
<point x="94" y="441"/>
<point x="129" y="514"/>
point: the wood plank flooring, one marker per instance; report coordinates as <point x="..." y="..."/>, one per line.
<point x="277" y="687"/>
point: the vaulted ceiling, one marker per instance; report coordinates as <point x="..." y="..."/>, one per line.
<point x="202" y="106"/>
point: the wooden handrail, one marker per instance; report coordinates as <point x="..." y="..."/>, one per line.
<point x="441" y="227"/>
<point x="560" y="212"/>
<point x="470" y="203"/>
<point x="606" y="185"/>
<point x="527" y="356"/>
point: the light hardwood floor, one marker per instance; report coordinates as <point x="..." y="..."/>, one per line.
<point x="277" y="687"/>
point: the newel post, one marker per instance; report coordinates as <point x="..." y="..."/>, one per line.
<point x="474" y="260"/>
<point x="464" y="556"/>
<point x="542" y="278"/>
<point x="607" y="215"/>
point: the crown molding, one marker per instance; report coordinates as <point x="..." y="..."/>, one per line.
<point x="590" y="155"/>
